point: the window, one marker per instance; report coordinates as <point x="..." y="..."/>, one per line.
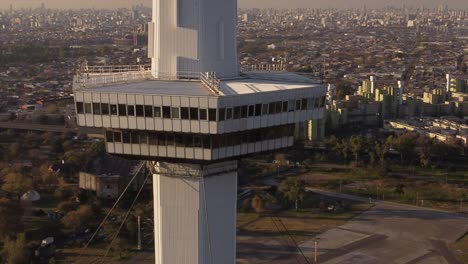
<point x="244" y="110"/>
<point x="126" y="137"/>
<point x="237" y="111"/>
<point x="251" y="110"/>
<point x="278" y="106"/>
<point x="122" y="110"/>
<point x="229" y="113"/>
<point x="153" y="139"/>
<point x="113" y="109"/>
<point x="184" y="113"/>
<point x="170" y="140"/>
<point x="109" y="136"/>
<point x="291" y="106"/>
<point x="79" y="108"/>
<point x="197" y="141"/>
<point x="166" y="111"/>
<point x="298" y="105"/>
<point x="258" y="109"/>
<point x="149" y="111"/>
<point x="157" y="112"/>
<point x="285" y="107"/>
<point x="139" y="111"/>
<point x="96" y="109"/>
<point x="206" y="142"/>
<point x="193" y="113"/>
<point x="105" y="109"/>
<point x="87" y="108"/>
<point x="179" y="140"/>
<point x="265" y="109"/>
<point x="304" y="104"/>
<point x="212" y="114"/>
<point x="271" y="108"/>
<point x="175" y="112"/>
<point x="203" y="114"/>
<point x="222" y="114"/>
<point x="131" y="110"/>
<point x="135" y="138"/>
<point x="118" y="137"/>
<point x="161" y="140"/>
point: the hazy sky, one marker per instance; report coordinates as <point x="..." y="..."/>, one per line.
<point x="242" y="3"/>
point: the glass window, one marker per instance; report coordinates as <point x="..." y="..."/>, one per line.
<point x="212" y="114"/>
<point x="193" y="113"/>
<point x="244" y="110"/>
<point x="184" y="113"/>
<point x="278" y="106"/>
<point x="291" y="106"/>
<point x="258" y="109"/>
<point x="197" y="141"/>
<point x="153" y="139"/>
<point x="229" y="113"/>
<point x="135" y="138"/>
<point x="109" y="136"/>
<point x="304" y="104"/>
<point x="149" y="111"/>
<point x="323" y="99"/>
<point x="175" y="112"/>
<point x="144" y="138"/>
<point x="87" y="108"/>
<point x="161" y="139"/>
<point x="139" y="111"/>
<point x="265" y="109"/>
<point x="166" y="111"/>
<point x="122" y="110"/>
<point x="285" y="107"/>
<point x="170" y="140"/>
<point x="237" y="111"/>
<point x="113" y="109"/>
<point x="157" y="112"/>
<point x="126" y="137"/>
<point x="96" y="109"/>
<point x="206" y="142"/>
<point x="118" y="137"/>
<point x="131" y="110"/>
<point x="105" y="109"/>
<point x="203" y="114"/>
<point x="251" y="110"/>
<point x="298" y="105"/>
<point x="179" y="140"/>
<point x="222" y="114"/>
<point x="271" y="108"/>
<point x="79" y="108"/>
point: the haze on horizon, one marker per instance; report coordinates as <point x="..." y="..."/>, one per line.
<point x="453" y="4"/>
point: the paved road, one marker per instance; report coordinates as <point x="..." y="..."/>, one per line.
<point x="34" y="127"/>
<point x="390" y="233"/>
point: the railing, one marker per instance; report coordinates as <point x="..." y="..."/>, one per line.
<point x="263" y="67"/>
<point x="85" y="81"/>
<point x="210" y="80"/>
<point x="112" y="69"/>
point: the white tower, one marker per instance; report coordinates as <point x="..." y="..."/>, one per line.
<point x="372" y="79"/>
<point x="449" y="80"/>
<point x="191" y="36"/>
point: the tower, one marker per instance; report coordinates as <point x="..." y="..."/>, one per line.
<point x="191" y="115"/>
<point x="190" y="36"/>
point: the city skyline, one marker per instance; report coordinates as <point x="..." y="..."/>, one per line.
<point x="456" y="4"/>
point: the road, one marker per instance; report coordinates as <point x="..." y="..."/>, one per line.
<point x="390" y="233"/>
<point x="34" y="127"/>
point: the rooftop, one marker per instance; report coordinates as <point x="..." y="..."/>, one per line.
<point x="253" y="82"/>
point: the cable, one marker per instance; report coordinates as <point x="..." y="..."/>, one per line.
<point x="286" y="242"/>
<point x="294" y="241"/>
<point x="126" y="217"/>
<point x="110" y="211"/>
<point x="206" y="222"/>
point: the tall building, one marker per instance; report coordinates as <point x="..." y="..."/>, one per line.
<point x="191" y="115"/>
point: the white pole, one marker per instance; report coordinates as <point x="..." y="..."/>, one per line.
<point x="139" y="234"/>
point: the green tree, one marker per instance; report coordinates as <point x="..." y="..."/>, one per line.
<point x="293" y="189"/>
<point x="405" y="145"/>
<point x="356" y="144"/>
<point x="17" y="183"/>
<point x="15" y="251"/>
<point x="258" y="204"/>
<point x="11" y="214"/>
<point x="74" y="220"/>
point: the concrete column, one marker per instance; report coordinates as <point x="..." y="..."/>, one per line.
<point x="195" y="212"/>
